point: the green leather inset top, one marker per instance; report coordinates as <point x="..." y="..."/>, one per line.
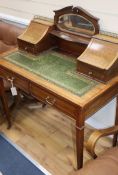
<point x="56" y="68"/>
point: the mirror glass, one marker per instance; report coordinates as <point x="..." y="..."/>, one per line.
<point x="75" y="24"/>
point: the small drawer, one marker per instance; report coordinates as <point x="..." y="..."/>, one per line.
<point x="53" y="99"/>
<point x="18" y="81"/>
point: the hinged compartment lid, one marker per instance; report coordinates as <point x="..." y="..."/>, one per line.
<point x="101" y="56"/>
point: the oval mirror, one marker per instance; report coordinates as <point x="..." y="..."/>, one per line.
<point x="75" y="24"/>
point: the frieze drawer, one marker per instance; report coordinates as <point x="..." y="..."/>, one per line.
<point x="18" y="81"/>
<point x="52" y="99"/>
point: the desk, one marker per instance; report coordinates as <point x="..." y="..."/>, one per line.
<point x="78" y="106"/>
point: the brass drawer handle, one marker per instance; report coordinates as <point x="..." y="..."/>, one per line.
<point x="10" y="79"/>
<point x="50" y="102"/>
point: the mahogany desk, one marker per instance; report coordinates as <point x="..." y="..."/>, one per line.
<point x="77" y="107"/>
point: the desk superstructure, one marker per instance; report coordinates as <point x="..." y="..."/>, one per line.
<point x="49" y="65"/>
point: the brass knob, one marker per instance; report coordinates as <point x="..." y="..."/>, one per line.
<point x="90" y="73"/>
<point x="26" y="48"/>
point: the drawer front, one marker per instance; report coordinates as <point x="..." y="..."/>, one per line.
<point x="18" y="81"/>
<point x="52" y="99"/>
<point x="25" y="46"/>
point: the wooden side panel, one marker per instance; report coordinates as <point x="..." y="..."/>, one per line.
<point x="101" y="100"/>
<point x="71" y="47"/>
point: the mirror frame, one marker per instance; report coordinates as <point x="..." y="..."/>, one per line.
<point x="67" y="29"/>
<point x="77" y="11"/>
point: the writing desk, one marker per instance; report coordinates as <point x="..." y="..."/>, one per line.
<point x="78" y="105"/>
